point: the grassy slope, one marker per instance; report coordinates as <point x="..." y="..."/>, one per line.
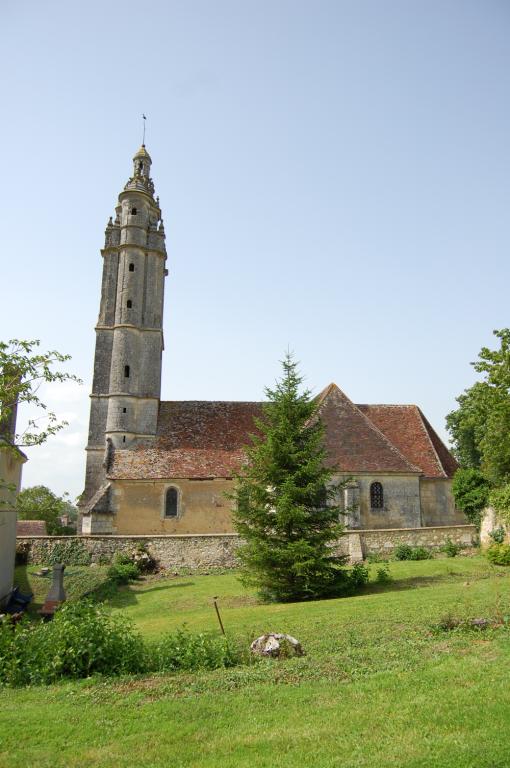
<point x="377" y="688"/>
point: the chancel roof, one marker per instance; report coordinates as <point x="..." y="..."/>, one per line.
<point x="199" y="439"/>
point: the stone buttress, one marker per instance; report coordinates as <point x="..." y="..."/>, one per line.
<point x="126" y="386"/>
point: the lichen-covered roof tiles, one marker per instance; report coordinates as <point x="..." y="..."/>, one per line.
<point x="201" y="439"/>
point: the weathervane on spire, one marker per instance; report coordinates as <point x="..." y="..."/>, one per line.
<point x="144" y="119"/>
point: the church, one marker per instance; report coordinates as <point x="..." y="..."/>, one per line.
<point x="164" y="467"/>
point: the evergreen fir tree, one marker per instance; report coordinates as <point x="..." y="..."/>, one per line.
<point x="287" y="506"/>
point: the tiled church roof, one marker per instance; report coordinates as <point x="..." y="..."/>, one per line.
<point x="201" y="439"/>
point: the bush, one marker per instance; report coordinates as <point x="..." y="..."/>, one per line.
<point x="471" y="491"/>
<point x="500" y="500"/>
<point x="450" y="548"/>
<point x="499" y="554"/>
<point x="84" y="639"/>
<point x="498" y="535"/>
<point x="406" y="552"/>
<point x="143" y="559"/>
<point x="358" y="576"/>
<point x="122" y="573"/>
<point x="191" y="652"/>
<point x="383" y="575"/>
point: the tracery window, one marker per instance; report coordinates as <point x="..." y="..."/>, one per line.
<point x="376" y="496"/>
<point x="171" y="502"/>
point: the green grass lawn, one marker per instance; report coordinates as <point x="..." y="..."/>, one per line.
<point x="379" y="686"/>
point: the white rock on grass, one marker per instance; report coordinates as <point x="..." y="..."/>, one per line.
<point x="276" y="645"/>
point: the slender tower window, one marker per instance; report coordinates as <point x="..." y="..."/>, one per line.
<point x="126" y="371"/>
<point x="376" y="496"/>
<point x="124" y="410"/>
<point x="131" y="267"/>
<point x="129" y="303"/>
<point x="171" y="502"/>
<point x="124" y="439"/>
<point x="133" y="211"/>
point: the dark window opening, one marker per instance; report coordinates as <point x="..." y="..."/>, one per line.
<point x="124" y="410"/>
<point x="129" y="303"/>
<point x="171" y="502"/>
<point x="124" y="439"/>
<point x="131" y="267"/>
<point x="376" y="496"/>
<point x="133" y="211"/>
<point x="126" y="371"/>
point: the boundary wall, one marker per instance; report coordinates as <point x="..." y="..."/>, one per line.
<point x="218" y="550"/>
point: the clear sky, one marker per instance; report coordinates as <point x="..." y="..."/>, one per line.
<point x="334" y="178"/>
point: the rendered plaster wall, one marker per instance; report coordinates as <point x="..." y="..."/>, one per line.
<point x="10" y="472"/>
<point x="401" y="501"/>
<point x="437" y="503"/>
<point x="139" y="507"/>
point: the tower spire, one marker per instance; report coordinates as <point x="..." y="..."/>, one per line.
<point x="129" y="337"/>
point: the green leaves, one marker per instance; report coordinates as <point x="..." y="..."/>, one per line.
<point x="287" y="505"/>
<point x="22" y="370"/>
<point x="480" y="426"/>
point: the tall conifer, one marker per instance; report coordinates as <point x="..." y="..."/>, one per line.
<point x="287" y="509"/>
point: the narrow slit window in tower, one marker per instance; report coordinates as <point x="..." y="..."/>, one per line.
<point x="124" y="439"/>
<point x="133" y="211"/>
<point x="171" y="502"/>
<point x="124" y="410"/>
<point x="376" y="496"/>
<point x="131" y="267"/>
<point x="126" y="371"/>
<point x="129" y="303"/>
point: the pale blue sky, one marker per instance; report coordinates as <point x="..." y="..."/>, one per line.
<point x="334" y="177"/>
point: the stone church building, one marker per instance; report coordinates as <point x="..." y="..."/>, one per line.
<point x="163" y="467"/>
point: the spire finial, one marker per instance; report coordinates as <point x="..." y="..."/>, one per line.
<point x="143" y="138"/>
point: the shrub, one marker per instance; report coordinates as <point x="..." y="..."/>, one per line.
<point x="83" y="639"/>
<point x="191" y="652"/>
<point x="143" y="559"/>
<point x="500" y="500"/>
<point x="358" y="576"/>
<point x="450" y="548"/>
<point x="470" y="490"/>
<point x="498" y="554"/>
<point x="403" y="552"/>
<point x="123" y="573"/>
<point x="383" y="575"/>
<point x="406" y="552"/>
<point x="498" y="535"/>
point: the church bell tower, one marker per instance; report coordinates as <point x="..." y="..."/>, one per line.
<point x="126" y="386"/>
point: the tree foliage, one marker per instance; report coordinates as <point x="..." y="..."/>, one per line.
<point x="22" y="371"/>
<point x="287" y="508"/>
<point x="471" y="492"/>
<point x="39" y="503"/>
<point x="480" y="426"/>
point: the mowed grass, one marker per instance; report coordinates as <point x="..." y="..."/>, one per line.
<point x="379" y="686"/>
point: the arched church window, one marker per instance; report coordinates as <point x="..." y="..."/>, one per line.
<point x="131" y="267"/>
<point x="171" y="502"/>
<point x="376" y="496"/>
<point x="126" y="371"/>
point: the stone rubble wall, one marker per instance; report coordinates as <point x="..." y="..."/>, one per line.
<point x="219" y="550"/>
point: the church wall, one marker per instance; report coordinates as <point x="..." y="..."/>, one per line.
<point x="139" y="507"/>
<point x="401" y="501"/>
<point x="437" y="502"/>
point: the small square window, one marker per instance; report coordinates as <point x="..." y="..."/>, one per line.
<point x="124" y="410"/>
<point x="129" y="303"/>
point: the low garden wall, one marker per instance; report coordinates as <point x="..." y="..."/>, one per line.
<point x="219" y="550"/>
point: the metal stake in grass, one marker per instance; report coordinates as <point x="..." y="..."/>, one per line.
<point x="218" y="614"/>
